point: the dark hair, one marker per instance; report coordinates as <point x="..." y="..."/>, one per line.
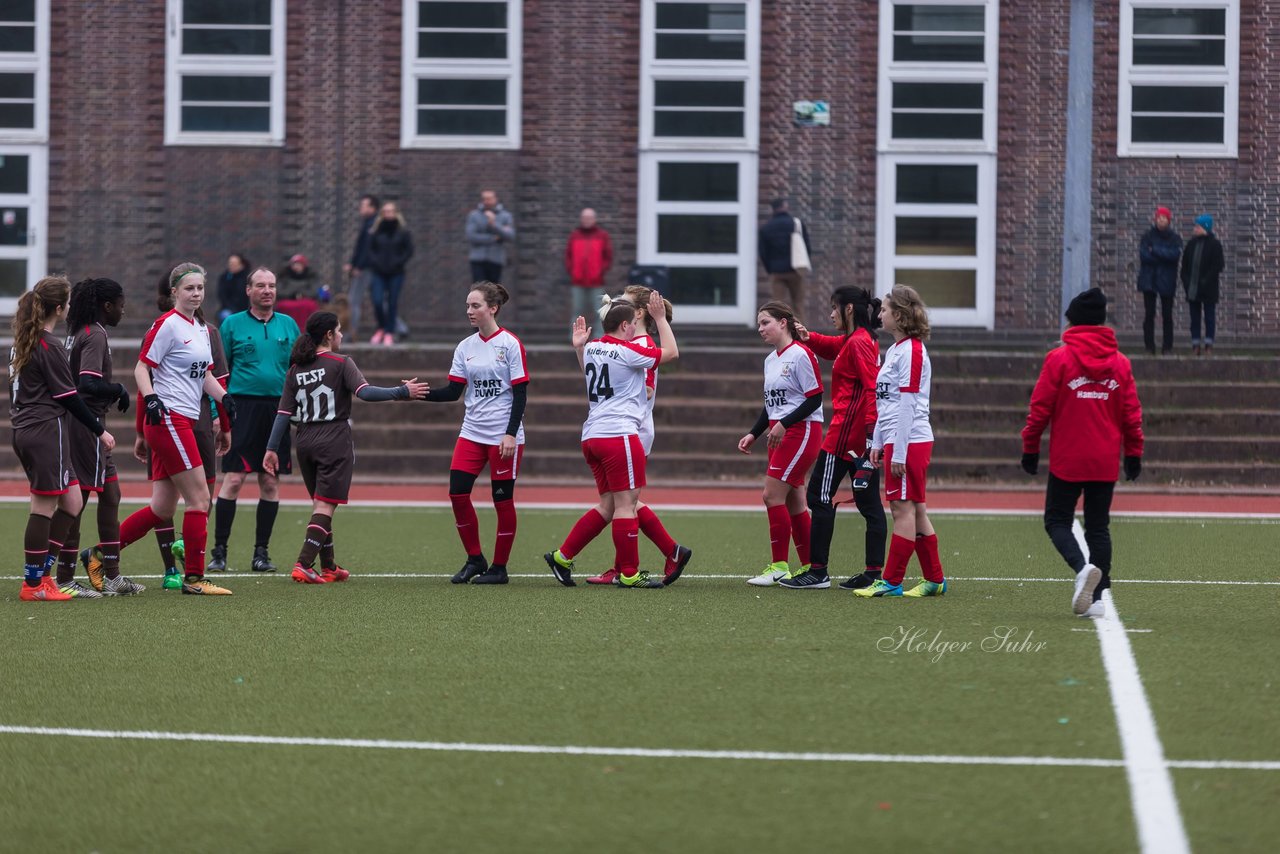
<point x="34" y="308"/>
<point x="866" y="309"/>
<point x="619" y="313"/>
<point x="495" y="295"/>
<point x="779" y="310"/>
<point x="373" y="200"/>
<point x="244" y="259"/>
<point x="778" y="204"/>
<point x="170" y="284"/>
<point x="87" y="299"/>
<point x="319" y="324"/>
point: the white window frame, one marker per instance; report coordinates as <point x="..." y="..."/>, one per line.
<point x="1227" y="77"/>
<point x="746" y="70"/>
<point x="414" y="69"/>
<point x="177" y="65"/>
<point x="744" y="260"/>
<point x="36" y="201"/>
<point x="36" y="63"/>
<point x="985" y="72"/>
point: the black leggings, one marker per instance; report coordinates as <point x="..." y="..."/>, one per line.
<point x="824" y="481"/>
<point x="461" y="482"/>
<point x="1059" y="512"/>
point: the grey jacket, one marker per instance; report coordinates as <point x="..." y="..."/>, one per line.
<point x="489" y="242"/>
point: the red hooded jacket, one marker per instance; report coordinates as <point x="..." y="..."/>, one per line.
<point x="588" y="256"/>
<point x="856" y="360"/>
<point x="1087" y="398"/>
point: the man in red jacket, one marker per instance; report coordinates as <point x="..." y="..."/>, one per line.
<point x="1087" y="398"/>
<point x="587" y="258"/>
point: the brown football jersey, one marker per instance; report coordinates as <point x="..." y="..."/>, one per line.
<point x="47" y="376"/>
<point x="90" y="353"/>
<point x="321" y="392"/>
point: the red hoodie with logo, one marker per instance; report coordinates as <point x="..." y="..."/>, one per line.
<point x="1087" y="398"/>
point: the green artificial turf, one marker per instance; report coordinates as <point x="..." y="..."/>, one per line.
<point x="709" y="663"/>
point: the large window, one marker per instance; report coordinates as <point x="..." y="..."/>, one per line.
<point x="699" y="118"/>
<point x="225" y="81"/>
<point x="461" y="76"/>
<point x="1179" y="78"/>
<point x="24" y="70"/>
<point x="935" y="193"/>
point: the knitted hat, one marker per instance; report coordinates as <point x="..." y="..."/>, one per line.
<point x="1205" y="221"/>
<point x="1088" y="308"/>
<point x="1164" y="212"/>
<point x="299" y="259"/>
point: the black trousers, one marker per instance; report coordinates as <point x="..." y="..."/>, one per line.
<point x="486" y="271"/>
<point x="824" y="481"/>
<point x="1149" y="321"/>
<point x="1059" y="512"/>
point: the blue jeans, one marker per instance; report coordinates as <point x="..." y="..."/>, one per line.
<point x="1210" y="322"/>
<point x="385" y="292"/>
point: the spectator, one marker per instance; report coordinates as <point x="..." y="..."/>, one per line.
<point x="232" y="296"/>
<point x="390" y="248"/>
<point x="298" y="280"/>
<point x="774" y="247"/>
<point x="358" y="267"/>
<point x="490" y="227"/>
<point x="587" y="258"/>
<point x="1201" y="264"/>
<point x="1159" y="250"/>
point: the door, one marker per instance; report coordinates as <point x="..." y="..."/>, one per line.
<point x="24" y="189"/>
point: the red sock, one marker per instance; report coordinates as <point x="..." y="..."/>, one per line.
<point x="779" y="532"/>
<point x="195" y="534"/>
<point x="464" y="514"/>
<point x="138" y="525"/>
<point x="801" y="523"/>
<point x="584" y="531"/>
<point x="927" y="554"/>
<point x="506" y="511"/>
<point x="900" y="551"/>
<point x="626" y="545"/>
<point x="651" y="526"/>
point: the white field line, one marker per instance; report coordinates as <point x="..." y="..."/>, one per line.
<point x="636" y="752"/>
<point x="1155" y="804"/>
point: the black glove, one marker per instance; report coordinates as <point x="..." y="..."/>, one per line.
<point x="1132" y="467"/>
<point x="228" y="405"/>
<point x="122" y="398"/>
<point x="1031" y="463"/>
<point x="155" y="410"/>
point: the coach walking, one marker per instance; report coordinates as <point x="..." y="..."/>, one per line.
<point x="258" y="343"/>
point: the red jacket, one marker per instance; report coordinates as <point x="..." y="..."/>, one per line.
<point x="856" y="360"/>
<point x="588" y="256"/>
<point x="1087" y="398"/>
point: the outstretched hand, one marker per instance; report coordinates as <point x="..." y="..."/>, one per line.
<point x="417" y="390"/>
<point x="655" y="307"/>
<point x="580" y="335"/>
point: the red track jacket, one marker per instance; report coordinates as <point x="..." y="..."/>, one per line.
<point x="588" y="256"/>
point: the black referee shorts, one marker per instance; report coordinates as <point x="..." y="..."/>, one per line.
<point x="249" y="435"/>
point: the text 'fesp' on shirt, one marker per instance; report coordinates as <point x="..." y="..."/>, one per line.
<point x="489" y="367"/>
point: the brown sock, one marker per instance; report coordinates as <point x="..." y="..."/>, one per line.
<point x="317" y="533"/>
<point x="59" y="529"/>
<point x="35" y="545"/>
<point x="327" y="560"/>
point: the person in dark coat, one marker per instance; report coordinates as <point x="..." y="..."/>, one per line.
<point x="1159" y="250"/>
<point x="232" y="296"/>
<point x="1202" y="263"/>
<point x="357" y="269"/>
<point x="297" y="281"/>
<point x="390" y="248"/>
<point x="774" y="248"/>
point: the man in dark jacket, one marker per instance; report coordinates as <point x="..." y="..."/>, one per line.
<point x="358" y="267"/>
<point x="1159" y="250"/>
<point x="1202" y="263"/>
<point x="774" y="247"/>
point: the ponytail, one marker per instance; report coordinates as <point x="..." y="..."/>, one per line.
<point x="865" y="313"/>
<point x="35" y="308"/>
<point x="319" y="325"/>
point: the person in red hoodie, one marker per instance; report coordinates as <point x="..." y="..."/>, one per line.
<point x="1087" y="398"/>
<point x="587" y="258"/>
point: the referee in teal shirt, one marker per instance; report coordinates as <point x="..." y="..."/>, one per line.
<point x="258" y="343"/>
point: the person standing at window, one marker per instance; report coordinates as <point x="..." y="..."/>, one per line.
<point x="490" y="227"/>
<point x="390" y="248"/>
<point x="1201" y="265"/>
<point x="587" y="258"/>
<point x="358" y="267"/>
<point x="1159" y="251"/>
<point x="774" y="248"/>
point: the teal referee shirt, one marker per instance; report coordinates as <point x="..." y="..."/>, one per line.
<point x="258" y="352"/>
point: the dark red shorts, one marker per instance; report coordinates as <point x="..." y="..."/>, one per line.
<point x="910" y="487"/>
<point x="617" y="462"/>
<point x="790" y="461"/>
<point x="471" y="457"/>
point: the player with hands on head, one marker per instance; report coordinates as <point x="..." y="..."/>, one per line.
<point x="1087" y="398"/>
<point x="791" y="422"/>
<point x="318" y="388"/>
<point x="491" y="368"/>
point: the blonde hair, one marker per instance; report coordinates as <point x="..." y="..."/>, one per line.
<point x="183" y="270"/>
<point x="35" y="307"/>
<point x="910" y="312"/>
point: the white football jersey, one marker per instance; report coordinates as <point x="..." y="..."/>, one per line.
<point x="903" y="420"/>
<point x="176" y="348"/>
<point x="791" y="376"/>
<point x="490" y="367"/>
<point x="615" y="375"/>
<point x="650" y="382"/>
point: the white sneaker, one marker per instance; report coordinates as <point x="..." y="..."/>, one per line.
<point x="773" y="573"/>
<point x="1087" y="581"/>
<point x="1097" y="609"/>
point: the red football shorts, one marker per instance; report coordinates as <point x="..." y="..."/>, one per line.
<point x="790" y="461"/>
<point x="617" y="462"/>
<point x="173" y="445"/>
<point x="471" y="457"/>
<point x="910" y="487"/>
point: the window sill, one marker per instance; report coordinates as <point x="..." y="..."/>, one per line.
<point x="207" y="140"/>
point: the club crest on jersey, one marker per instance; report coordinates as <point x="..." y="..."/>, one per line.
<point x="500" y="354"/>
<point x="786" y="370"/>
